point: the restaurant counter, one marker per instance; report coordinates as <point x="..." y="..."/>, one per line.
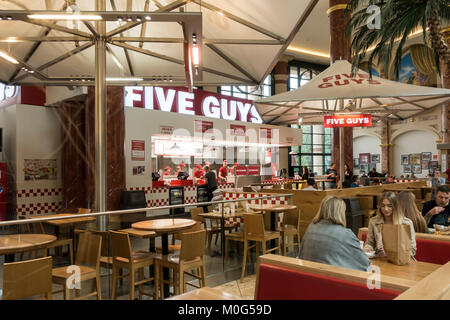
<point x="158" y="193"/>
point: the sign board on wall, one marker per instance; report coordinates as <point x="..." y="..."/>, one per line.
<point x="240" y="171"/>
<point x="137" y="150"/>
<point x="237" y="130"/>
<point x="203" y="126"/>
<point x="253" y="170"/>
<point x="198" y="102"/>
<point x="350" y="120"/>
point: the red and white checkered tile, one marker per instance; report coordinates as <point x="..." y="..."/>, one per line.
<point x="36" y="201"/>
<point x="33" y="209"/>
<point x="401" y="181"/>
<point x="226" y="186"/>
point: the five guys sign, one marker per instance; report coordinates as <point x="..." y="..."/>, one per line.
<point x="198" y="102"/>
<point x="350" y="120"/>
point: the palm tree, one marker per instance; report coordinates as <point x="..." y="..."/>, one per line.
<point x="399" y="18"/>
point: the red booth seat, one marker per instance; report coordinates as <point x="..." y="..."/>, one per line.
<point x="430" y="248"/>
<point x="281" y="283"/>
<point x="433" y="251"/>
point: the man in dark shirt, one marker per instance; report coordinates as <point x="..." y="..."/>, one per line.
<point x="210" y="176"/>
<point x="438" y="211"/>
<point x="331" y="174"/>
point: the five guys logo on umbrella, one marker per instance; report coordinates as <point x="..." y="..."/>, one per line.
<point x="350" y="120"/>
<point x="344" y="79"/>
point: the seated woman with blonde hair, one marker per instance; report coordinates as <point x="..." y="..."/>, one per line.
<point x="407" y="203"/>
<point x="327" y="240"/>
<point x="388" y="213"/>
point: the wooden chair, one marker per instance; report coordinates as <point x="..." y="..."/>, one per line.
<point x="191" y="257"/>
<point x="290" y="228"/>
<point x="105" y="257"/>
<point x="177" y="236"/>
<point x="27" y="278"/>
<point x="88" y="262"/>
<point x="210" y="231"/>
<point x="254" y="231"/>
<point x="233" y="236"/>
<point x="125" y="258"/>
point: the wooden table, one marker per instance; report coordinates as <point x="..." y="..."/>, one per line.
<point x="206" y="293"/>
<point x="164" y="227"/>
<point x="59" y="223"/>
<point x="15" y="243"/>
<point x="415" y="271"/>
<point x="274" y="209"/>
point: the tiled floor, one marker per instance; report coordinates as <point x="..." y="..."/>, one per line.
<point x="244" y="289"/>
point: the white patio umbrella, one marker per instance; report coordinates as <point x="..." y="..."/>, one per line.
<point x="337" y="90"/>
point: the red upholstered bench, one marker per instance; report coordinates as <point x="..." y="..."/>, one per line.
<point x="430" y="248"/>
<point x="433" y="251"/>
<point x="281" y="283"/>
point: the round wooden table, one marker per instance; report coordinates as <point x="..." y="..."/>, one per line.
<point x="164" y="227"/>
<point x="15" y="243"/>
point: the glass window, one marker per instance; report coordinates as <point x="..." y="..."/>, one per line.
<point x="315" y="151"/>
<point x="249" y="92"/>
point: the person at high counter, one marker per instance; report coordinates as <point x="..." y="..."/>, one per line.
<point x="223" y="172"/>
<point x="305" y="173"/>
<point x="327" y="240"/>
<point x="210" y="177"/>
<point x="283" y="174"/>
<point x="437" y="211"/>
<point x="348" y="174"/>
<point x="436" y="180"/>
<point x="331" y="174"/>
<point x="388" y="212"/>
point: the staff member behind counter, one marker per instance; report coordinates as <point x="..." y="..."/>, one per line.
<point x="210" y="177"/>
<point x="223" y="172"/>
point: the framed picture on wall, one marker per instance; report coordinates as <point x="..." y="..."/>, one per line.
<point x="355" y="163"/>
<point x="415" y="159"/>
<point x="375" y="158"/>
<point x="426" y="156"/>
<point x="435" y="157"/>
<point x="363" y="168"/>
<point x="364" y="158"/>
<point x="417" y="168"/>
<point x="425" y="164"/>
<point x="407" y="169"/>
<point x="433" y="165"/>
<point x="405" y="159"/>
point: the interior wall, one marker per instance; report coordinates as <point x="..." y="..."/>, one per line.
<point x="366" y="144"/>
<point x="284" y="155"/>
<point x="416" y="141"/>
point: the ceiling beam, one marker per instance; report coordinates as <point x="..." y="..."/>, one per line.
<point x="58" y="59"/>
<point x="178" y="61"/>
<point x="144" y="25"/>
<point x="35" y="46"/>
<point x="125" y="51"/>
<point x="232" y="62"/>
<point x="57" y="27"/>
<point x="295" y="30"/>
<point x="172" y="6"/>
<point x="246" y="23"/>
<point x="42" y="39"/>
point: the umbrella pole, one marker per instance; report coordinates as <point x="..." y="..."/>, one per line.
<point x="341" y="155"/>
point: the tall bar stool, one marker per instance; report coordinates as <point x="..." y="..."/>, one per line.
<point x="134" y="261"/>
<point x="191" y="257"/>
<point x="210" y="231"/>
<point x="254" y="231"/>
